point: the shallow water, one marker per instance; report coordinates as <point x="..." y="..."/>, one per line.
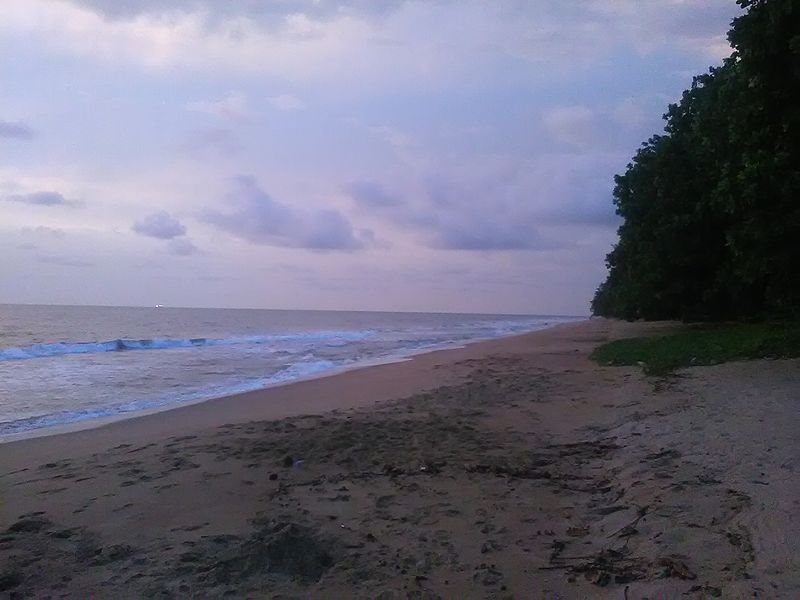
<point x="65" y="364"/>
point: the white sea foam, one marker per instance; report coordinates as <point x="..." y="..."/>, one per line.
<point x="121" y="345"/>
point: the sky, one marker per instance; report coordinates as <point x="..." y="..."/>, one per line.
<point x="413" y="155"/>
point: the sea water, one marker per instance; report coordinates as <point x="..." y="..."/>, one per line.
<point x="67" y="364"/>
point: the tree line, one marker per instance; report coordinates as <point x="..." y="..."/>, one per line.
<point x="711" y="207"/>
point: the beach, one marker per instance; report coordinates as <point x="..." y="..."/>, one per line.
<point x="510" y="468"/>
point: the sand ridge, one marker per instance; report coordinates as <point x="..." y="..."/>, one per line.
<point x="513" y="469"/>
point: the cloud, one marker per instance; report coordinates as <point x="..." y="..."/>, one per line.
<point x="390" y="135"/>
<point x="232" y="106"/>
<point x="181" y="247"/>
<point x="286" y="102"/>
<point x="504" y="204"/>
<point x="257" y="218"/>
<point x="163" y="226"/>
<point x="477" y="215"/>
<point x="451" y="216"/>
<point x="495" y="236"/>
<point x="190" y="37"/>
<point x="212" y="142"/>
<point x="629" y="113"/>
<point x="41" y="199"/>
<point x="55" y="232"/>
<point x="690" y="26"/>
<point x="236" y="105"/>
<point x="63" y="261"/>
<point x="16" y="130"/>
<point x="243" y="9"/>
<point x="349" y="44"/>
<point x="160" y="225"/>
<point x="571" y="125"/>
<point x="448" y="147"/>
<point x="371" y="194"/>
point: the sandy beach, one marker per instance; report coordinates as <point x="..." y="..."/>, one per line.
<point x="513" y="468"/>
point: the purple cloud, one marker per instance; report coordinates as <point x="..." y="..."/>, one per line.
<point x="160" y="225"/>
<point x="63" y="261"/>
<point x="181" y="247"/>
<point x="16" y="130"/>
<point x="370" y="194"/>
<point x="510" y="205"/>
<point x="256" y="217"/>
<point x="41" y="199"/>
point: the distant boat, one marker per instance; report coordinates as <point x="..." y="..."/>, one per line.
<point x="159" y="306"/>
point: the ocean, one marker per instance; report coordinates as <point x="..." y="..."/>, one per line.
<point x="62" y="365"/>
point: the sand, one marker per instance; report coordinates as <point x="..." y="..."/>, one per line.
<point x="514" y="468"/>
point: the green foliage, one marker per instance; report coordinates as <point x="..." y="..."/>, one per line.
<point x="711" y="208"/>
<point x="703" y="346"/>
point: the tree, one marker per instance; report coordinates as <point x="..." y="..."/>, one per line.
<point x="711" y="219"/>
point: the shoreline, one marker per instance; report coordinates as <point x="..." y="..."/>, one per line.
<point x="513" y="467"/>
<point x="257" y="404"/>
<point x="95" y="423"/>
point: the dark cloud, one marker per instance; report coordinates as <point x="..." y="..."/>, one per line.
<point x="257" y="218"/>
<point x="513" y="206"/>
<point x="63" y="261"/>
<point x="491" y="237"/>
<point x="370" y="194"/>
<point x="16" y="130"/>
<point x="42" y="199"/>
<point x="160" y="225"/>
<point x="448" y="218"/>
<point x="259" y="10"/>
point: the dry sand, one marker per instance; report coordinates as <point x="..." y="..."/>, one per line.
<point x="511" y="468"/>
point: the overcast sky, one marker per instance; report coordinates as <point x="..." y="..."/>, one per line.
<point x="449" y="155"/>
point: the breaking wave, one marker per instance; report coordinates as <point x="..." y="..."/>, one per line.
<point x="123" y="345"/>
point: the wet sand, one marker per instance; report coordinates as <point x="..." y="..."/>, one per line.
<point x="514" y="468"/>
